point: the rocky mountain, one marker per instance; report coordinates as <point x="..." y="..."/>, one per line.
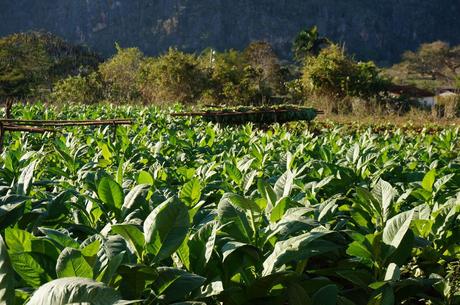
<point x="371" y="29"/>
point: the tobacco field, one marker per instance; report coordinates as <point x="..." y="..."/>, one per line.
<point x="175" y="210"/>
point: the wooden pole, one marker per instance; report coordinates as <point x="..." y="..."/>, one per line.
<point x="57" y="123"/>
<point x="2" y="136"/>
<point x="8" y="105"/>
<point x="114" y="132"/>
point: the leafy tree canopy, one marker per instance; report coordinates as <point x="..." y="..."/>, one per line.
<point x="34" y="60"/>
<point x="334" y="73"/>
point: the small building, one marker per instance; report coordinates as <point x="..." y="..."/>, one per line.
<point x="424" y="97"/>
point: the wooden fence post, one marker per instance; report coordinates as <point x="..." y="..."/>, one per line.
<point x="114" y="136"/>
<point x="2" y="136"/>
<point x="8" y="106"/>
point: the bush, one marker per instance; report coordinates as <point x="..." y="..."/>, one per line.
<point x="172" y="77"/>
<point x="333" y="73"/>
<point x="120" y="75"/>
<point x="233" y="80"/>
<point x="447" y="106"/>
<point x="78" y="89"/>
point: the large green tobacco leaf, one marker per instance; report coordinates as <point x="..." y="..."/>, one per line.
<point x="191" y="192"/>
<point x="110" y="271"/>
<point x="166" y="228"/>
<point x="175" y="284"/>
<point x="201" y="246"/>
<point x="280" y="209"/>
<point x="241" y="202"/>
<point x="28" y="266"/>
<point x="428" y="180"/>
<point x="384" y="193"/>
<point x="75" y="290"/>
<point x="6" y="276"/>
<point x="393" y="273"/>
<point x="71" y="263"/>
<point x="284" y="185"/>
<point x="396" y="228"/>
<point x="132" y="235"/>
<point x="234" y="221"/>
<point x="298" y="248"/>
<point x="267" y="192"/>
<point x="297" y="295"/>
<point x="25" y="179"/>
<point x="111" y="193"/>
<point x="18" y="240"/>
<point x="145" y="178"/>
<point x="133" y="198"/>
<point x="326" y="295"/>
<point x="62" y="239"/>
<point x="11" y="209"/>
<point x="135" y="279"/>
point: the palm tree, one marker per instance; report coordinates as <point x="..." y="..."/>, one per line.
<point x="308" y="43"/>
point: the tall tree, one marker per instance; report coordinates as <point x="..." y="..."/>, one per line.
<point x="261" y="56"/>
<point x="437" y="61"/>
<point x="22" y="65"/>
<point x="121" y="72"/>
<point x="35" y="60"/>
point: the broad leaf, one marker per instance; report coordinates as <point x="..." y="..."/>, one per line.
<point x="6" y="276"/>
<point x="297" y="249"/>
<point x="384" y="193"/>
<point x="326" y="295"/>
<point x="191" y="192"/>
<point x="133" y="198"/>
<point x="233" y="221"/>
<point x="396" y="228"/>
<point x="240" y="201"/>
<point x="25" y="179"/>
<point x="166" y="228"/>
<point x="132" y="235"/>
<point x="28" y="267"/>
<point x="174" y="284"/>
<point x="62" y="239"/>
<point x="71" y="263"/>
<point x="74" y="290"/>
<point x="393" y="273"/>
<point x="297" y="295"/>
<point x="110" y="193"/>
<point x="428" y="180"/>
<point x="284" y="185"/>
<point x="145" y="178"/>
<point x="18" y="240"/>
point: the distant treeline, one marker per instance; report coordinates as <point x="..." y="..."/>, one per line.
<point x="38" y="65"/>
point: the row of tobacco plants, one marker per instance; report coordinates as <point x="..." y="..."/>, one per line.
<point x="182" y="211"/>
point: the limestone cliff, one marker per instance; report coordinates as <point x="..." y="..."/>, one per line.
<point x="371" y="29"/>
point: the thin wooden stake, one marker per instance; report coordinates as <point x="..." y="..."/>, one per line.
<point x="2" y="136"/>
<point x="8" y="105"/>
<point x="114" y="137"/>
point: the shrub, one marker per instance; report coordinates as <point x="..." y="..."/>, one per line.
<point x="333" y="73"/>
<point x="233" y="80"/>
<point x="172" y="77"/>
<point x="447" y="106"/>
<point x="78" y="89"/>
<point x="121" y="74"/>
